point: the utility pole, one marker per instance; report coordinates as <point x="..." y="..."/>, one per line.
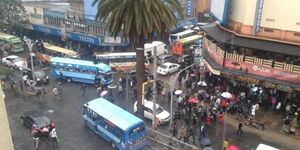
<point x="30" y="46"/>
<point x="154" y="87"/>
<point x="126" y="99"/>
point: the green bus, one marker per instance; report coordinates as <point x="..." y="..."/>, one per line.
<point x="10" y="43"/>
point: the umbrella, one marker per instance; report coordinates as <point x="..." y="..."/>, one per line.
<point x="193" y="75"/>
<point x="205" y="141"/>
<point x="232" y="98"/>
<point x="226" y="95"/>
<point x="112" y="86"/>
<point x="232" y="147"/>
<point x="103" y="93"/>
<point x="202" y="83"/>
<point x="178" y="92"/>
<point x="193" y="100"/>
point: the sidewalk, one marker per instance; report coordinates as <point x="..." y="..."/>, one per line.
<point x="6" y="142"/>
<point x="288" y="141"/>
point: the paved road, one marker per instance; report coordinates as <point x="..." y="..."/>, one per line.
<point x="70" y="128"/>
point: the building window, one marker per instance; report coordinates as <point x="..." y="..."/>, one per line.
<point x="269" y="30"/>
<point x="297" y="34"/>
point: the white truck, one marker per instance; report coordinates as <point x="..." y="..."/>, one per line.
<point x="160" y="49"/>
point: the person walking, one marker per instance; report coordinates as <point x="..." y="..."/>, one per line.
<point x="120" y="89"/>
<point x="240" y="130"/>
<point x="53" y="137"/>
<point x="59" y="91"/>
<point x="174" y="128"/>
<point x="202" y="131"/>
<point x="55" y="93"/>
<point x="183" y="134"/>
<point x="83" y="89"/>
<point x="39" y="93"/>
<point x="191" y="133"/>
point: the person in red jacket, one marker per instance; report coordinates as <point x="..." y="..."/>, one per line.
<point x="220" y="117"/>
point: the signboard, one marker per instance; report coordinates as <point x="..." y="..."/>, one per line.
<point x="186" y="22"/>
<point x="189" y="8"/>
<point x="113" y="40"/>
<point x="219" y="9"/>
<point x="211" y="51"/>
<point x="84" y="38"/>
<point x="258" y="14"/>
<point x="264" y="71"/>
<point x="47" y="30"/>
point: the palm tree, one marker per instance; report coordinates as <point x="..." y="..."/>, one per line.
<point x="138" y="20"/>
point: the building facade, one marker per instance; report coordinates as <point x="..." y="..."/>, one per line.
<point x="256" y="45"/>
<point x="69" y="21"/>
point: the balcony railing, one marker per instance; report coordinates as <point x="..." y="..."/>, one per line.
<point x="251" y="59"/>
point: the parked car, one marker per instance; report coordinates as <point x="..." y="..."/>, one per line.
<point x="15" y="61"/>
<point x="165" y="58"/>
<point x="148" y="75"/>
<point x="188" y="59"/>
<point x="167" y="68"/>
<point x="162" y="115"/>
<point x="36" y="117"/>
<point x="40" y="76"/>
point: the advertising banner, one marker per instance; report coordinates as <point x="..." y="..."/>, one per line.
<point x="47" y="30"/>
<point x="189" y="8"/>
<point x="84" y="38"/>
<point x="211" y="51"/>
<point x="264" y="71"/>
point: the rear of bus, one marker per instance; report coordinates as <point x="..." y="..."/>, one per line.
<point x="136" y="137"/>
<point x="177" y="47"/>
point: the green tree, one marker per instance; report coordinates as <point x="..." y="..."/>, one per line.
<point x="138" y="20"/>
<point x="12" y="13"/>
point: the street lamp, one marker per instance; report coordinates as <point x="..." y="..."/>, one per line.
<point x="172" y="83"/>
<point x="30" y="46"/>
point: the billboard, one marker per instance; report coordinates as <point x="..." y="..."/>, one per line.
<point x="219" y="9"/>
<point x="189" y="8"/>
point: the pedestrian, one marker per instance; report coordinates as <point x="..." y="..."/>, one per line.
<point x="220" y="117"/>
<point x="39" y="93"/>
<point x="55" y="93"/>
<point x="191" y="133"/>
<point x="53" y="137"/>
<point x="83" y="89"/>
<point x="35" y="136"/>
<point x="202" y="131"/>
<point x="21" y="84"/>
<point x="174" y="128"/>
<point x="99" y="91"/>
<point x="183" y="133"/>
<point x="120" y="89"/>
<point x="59" y="91"/>
<point x="240" y="130"/>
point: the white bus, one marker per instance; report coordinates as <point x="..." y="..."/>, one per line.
<point x="181" y="35"/>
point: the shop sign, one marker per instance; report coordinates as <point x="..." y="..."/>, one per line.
<point x="211" y="51"/>
<point x="83" y="38"/>
<point x="278" y="86"/>
<point x="47" y="30"/>
<point x="264" y="71"/>
<point x="189" y="8"/>
<point x="247" y="79"/>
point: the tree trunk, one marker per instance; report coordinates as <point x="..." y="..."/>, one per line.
<point x="140" y="69"/>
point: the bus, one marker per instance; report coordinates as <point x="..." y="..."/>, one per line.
<point x="120" y="61"/>
<point x="183" y="46"/>
<point x="10" y="43"/>
<point x="120" y="128"/>
<point x="52" y="50"/>
<point x="80" y="71"/>
<point x="181" y="35"/>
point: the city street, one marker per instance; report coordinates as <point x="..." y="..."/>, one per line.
<point x="76" y="136"/>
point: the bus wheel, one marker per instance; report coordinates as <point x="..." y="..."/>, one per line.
<point x="69" y="80"/>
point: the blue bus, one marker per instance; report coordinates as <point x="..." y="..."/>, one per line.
<point x="117" y="126"/>
<point x="80" y="71"/>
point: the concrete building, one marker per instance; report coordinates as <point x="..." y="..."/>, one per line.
<point x="251" y="43"/>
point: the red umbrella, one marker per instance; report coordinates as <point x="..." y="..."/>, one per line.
<point x="232" y="147"/>
<point x="193" y="100"/>
<point x="232" y="98"/>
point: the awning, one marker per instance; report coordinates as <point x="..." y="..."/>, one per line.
<point x="220" y="35"/>
<point x="211" y="69"/>
<point x="216" y="66"/>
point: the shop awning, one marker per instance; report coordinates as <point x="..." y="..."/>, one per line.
<point x="216" y="66"/>
<point x="220" y="35"/>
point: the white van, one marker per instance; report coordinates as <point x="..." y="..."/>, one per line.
<point x="265" y="147"/>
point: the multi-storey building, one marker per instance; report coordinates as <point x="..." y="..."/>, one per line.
<point x="72" y="20"/>
<point x="257" y="41"/>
